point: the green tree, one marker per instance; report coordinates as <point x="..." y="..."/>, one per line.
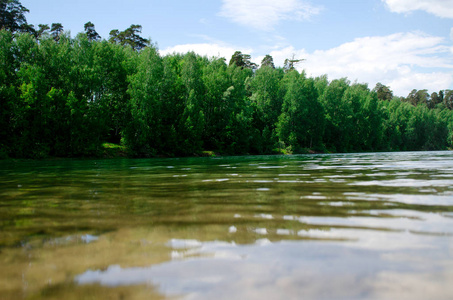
<point x="91" y="32"/>
<point x="193" y="116"/>
<point x="111" y="73"/>
<point x="321" y="84"/>
<point x="216" y="80"/>
<point x="301" y="123"/>
<point x="338" y="116"/>
<point x="56" y="30"/>
<point x="291" y="63"/>
<point x="268" y="61"/>
<point x="417" y="97"/>
<point x="365" y="119"/>
<point x="8" y="92"/>
<point x="267" y="104"/>
<point x="237" y="135"/>
<point x="43" y="29"/>
<point x="31" y="109"/>
<point x="242" y="60"/>
<point x="397" y="115"/>
<point x="173" y="106"/>
<point x="12" y="16"/>
<point x="383" y="92"/>
<point x="143" y="134"/>
<point x="129" y="37"/>
<point x="447" y="96"/>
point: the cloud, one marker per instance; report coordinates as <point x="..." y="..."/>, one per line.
<point x="440" y="8"/>
<point x="403" y="61"/>
<point x="265" y="14"/>
<point x="451" y="33"/>
<point x="433" y="82"/>
<point x="206" y="49"/>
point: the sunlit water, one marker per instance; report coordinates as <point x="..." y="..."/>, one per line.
<point x="355" y="226"/>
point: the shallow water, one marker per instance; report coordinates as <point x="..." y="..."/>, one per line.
<point x="351" y="226"/>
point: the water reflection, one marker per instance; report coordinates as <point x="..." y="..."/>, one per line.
<point x="290" y="270"/>
<point x="372" y="226"/>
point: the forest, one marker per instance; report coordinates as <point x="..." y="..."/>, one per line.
<point x="63" y="96"/>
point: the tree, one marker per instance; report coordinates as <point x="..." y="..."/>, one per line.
<point x="111" y="66"/>
<point x="267" y="104"/>
<point x="268" y="61"/>
<point x="337" y="115"/>
<point x="216" y="81"/>
<point x="91" y="32"/>
<point x="12" y="16"/>
<point x="43" y="29"/>
<point x="129" y="37"/>
<point x="56" y="30"/>
<point x="143" y="134"/>
<point x="365" y="119"/>
<point x="448" y="99"/>
<point x="242" y="61"/>
<point x="383" y="92"/>
<point x="434" y="100"/>
<point x="290" y="63"/>
<point x="416" y="97"/>
<point x="8" y="92"/>
<point x="193" y="116"/>
<point x="302" y="122"/>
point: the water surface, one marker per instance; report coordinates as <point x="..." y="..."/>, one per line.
<point x="352" y="226"/>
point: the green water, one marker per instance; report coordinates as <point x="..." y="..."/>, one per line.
<point x="353" y="226"/>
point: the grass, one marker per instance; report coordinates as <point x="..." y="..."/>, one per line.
<point x="111" y="150"/>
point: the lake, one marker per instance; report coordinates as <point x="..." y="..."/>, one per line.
<point x="340" y="226"/>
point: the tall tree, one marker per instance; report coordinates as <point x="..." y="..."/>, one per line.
<point x="216" y="81"/>
<point x="364" y="120"/>
<point x="12" y="16"/>
<point x="91" y="32"/>
<point x="242" y="60"/>
<point x="143" y="134"/>
<point x="193" y="117"/>
<point x="129" y="37"/>
<point x="268" y="61"/>
<point x="416" y="97"/>
<point x="383" y="92"/>
<point x="291" y="63"/>
<point x="42" y="29"/>
<point x="447" y="96"/>
<point x="302" y="120"/>
<point x="267" y="104"/>
<point x="434" y="100"/>
<point x="56" y="30"/>
<point x="8" y="92"/>
<point x="337" y="112"/>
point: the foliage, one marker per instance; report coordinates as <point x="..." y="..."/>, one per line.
<point x="242" y="60"/>
<point x="56" y="29"/>
<point x="63" y="96"/>
<point x="268" y="61"/>
<point x="129" y="37"/>
<point x="91" y="32"/>
<point x="12" y="16"/>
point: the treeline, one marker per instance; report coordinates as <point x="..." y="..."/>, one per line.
<point x="67" y="97"/>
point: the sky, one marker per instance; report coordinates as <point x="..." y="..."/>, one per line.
<point x="404" y="44"/>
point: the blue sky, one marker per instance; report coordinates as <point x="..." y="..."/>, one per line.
<point x="404" y="44"/>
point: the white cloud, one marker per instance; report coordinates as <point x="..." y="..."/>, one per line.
<point x="440" y="8"/>
<point x="265" y="14"/>
<point x="403" y="61"/>
<point x="451" y="33"/>
<point x="208" y="49"/>
<point x="433" y="82"/>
